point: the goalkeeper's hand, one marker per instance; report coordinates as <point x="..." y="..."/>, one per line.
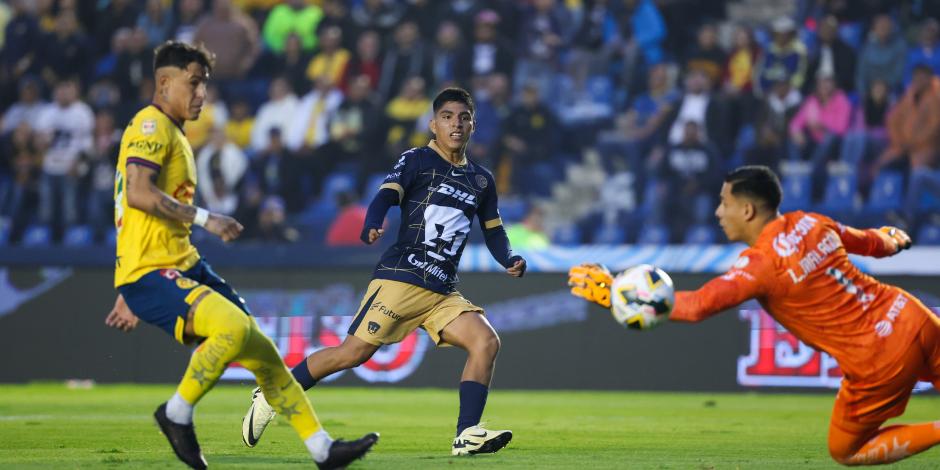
<point x="591" y="282"/>
<point x="900" y="237"/>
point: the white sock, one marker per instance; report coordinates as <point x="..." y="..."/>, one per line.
<point x="179" y="410"/>
<point x="319" y="445"/>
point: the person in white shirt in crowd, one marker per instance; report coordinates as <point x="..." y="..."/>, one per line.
<point x="27" y="109"/>
<point x="220" y="167"/>
<point x="65" y="130"/>
<point x="277" y="112"/>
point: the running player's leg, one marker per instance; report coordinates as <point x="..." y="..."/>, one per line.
<point x="351" y="353"/>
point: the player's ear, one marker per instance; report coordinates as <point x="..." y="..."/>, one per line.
<point x="432" y="125"/>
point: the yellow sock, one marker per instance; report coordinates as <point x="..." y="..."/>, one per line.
<point x="280" y="389"/>
<point x="226" y="328"/>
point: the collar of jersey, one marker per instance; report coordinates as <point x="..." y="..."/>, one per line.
<point x="440" y="153"/>
<point x="174" y="121"/>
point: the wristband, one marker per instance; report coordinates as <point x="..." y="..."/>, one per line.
<point x="202" y="216"/>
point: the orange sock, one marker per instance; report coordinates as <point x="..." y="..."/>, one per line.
<point x="897" y="442"/>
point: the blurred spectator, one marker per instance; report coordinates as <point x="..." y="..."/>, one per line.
<point x="276" y="113"/>
<point x="461" y="12"/>
<point x="403" y="113"/>
<point x="914" y="132"/>
<point x="768" y="150"/>
<point x="101" y="159"/>
<point x="699" y="105"/>
<point x="292" y="17"/>
<point x="927" y="50"/>
<point x="268" y="165"/>
<point x="307" y="133"/>
<point x="19" y="52"/>
<point x="331" y="59"/>
<point x="354" y="125"/>
<point x="739" y="74"/>
<point x="45" y="12"/>
<point x="871" y="114"/>
<point x="67" y="51"/>
<point x="490" y="53"/>
<point x="530" y="233"/>
<point x="130" y="106"/>
<point x="542" y="40"/>
<point x="346" y="227"/>
<point x="707" y="56"/>
<point x="882" y="56"/>
<point x="691" y="172"/>
<point x="214" y="115"/>
<point x="220" y="167"/>
<point x="914" y="123"/>
<point x="20" y="148"/>
<point x="65" y="128"/>
<point x="635" y="130"/>
<point x="106" y="62"/>
<point x="778" y="108"/>
<point x="407" y="57"/>
<point x="190" y="13"/>
<point x="293" y="65"/>
<point x="832" y="57"/>
<point x="272" y="223"/>
<point x="232" y="36"/>
<point x="593" y="34"/>
<point x="111" y="16"/>
<point x="869" y="135"/>
<point x="308" y="129"/>
<point x="366" y="61"/>
<point x="784" y="59"/>
<point x="239" y="125"/>
<point x="818" y="127"/>
<point x="449" y="58"/>
<point x="156" y="21"/>
<point x="648" y="29"/>
<point x="493" y="106"/>
<point x="27" y="109"/>
<point x="530" y="137"/>
<point x="336" y="13"/>
<point x="6" y="14"/>
<point x="134" y="65"/>
<point x="377" y="15"/>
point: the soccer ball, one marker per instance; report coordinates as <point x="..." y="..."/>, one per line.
<point x="642" y="297"/>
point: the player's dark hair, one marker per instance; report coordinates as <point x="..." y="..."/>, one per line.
<point x="756" y="182"/>
<point x="453" y="94"/>
<point x="180" y="54"/>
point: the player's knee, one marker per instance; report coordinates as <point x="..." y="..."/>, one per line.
<point x="356" y="355"/>
<point x="842" y="452"/>
<point x="488" y="345"/>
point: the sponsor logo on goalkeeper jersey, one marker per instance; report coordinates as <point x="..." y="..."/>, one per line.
<point x="786" y="244"/>
<point x="886" y="326"/>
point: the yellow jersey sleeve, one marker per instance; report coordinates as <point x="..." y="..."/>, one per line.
<point x="147" y="139"/>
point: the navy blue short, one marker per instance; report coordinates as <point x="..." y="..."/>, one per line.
<point x="160" y="296"/>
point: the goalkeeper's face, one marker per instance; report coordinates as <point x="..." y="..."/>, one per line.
<point x="732" y="214"/>
<point x="184" y="90"/>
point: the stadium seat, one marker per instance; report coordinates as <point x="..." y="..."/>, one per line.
<point x="929" y="234"/>
<point x="37" y="235"/>
<point x="700" y="234"/>
<point x="335" y="183"/>
<point x="653" y="234"/>
<point x="610" y="234"/>
<point x="371" y="187"/>
<point x="797" y="191"/>
<point x="840" y="193"/>
<point x="887" y="193"/>
<point x="512" y="209"/>
<point x="79" y="235"/>
<point x="567" y="235"/>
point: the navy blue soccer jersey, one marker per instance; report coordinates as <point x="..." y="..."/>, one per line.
<point x="438" y="202"/>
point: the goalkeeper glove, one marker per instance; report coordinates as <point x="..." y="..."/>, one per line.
<point x="900" y="237"/>
<point x="591" y="282"/>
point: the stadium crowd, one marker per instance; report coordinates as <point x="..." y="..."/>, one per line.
<point x="311" y="102"/>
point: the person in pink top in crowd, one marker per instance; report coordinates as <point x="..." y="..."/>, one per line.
<point x="818" y="127"/>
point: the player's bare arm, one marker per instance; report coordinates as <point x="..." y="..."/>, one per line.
<point x="143" y="194"/>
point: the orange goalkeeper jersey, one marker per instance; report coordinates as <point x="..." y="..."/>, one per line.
<point x="800" y="273"/>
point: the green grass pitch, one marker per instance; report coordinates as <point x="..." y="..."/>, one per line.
<point x="50" y="426"/>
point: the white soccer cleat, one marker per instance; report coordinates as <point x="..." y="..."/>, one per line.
<point x="260" y="414"/>
<point x="477" y="440"/>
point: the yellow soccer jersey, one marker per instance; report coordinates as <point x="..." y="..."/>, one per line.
<point x="146" y="242"/>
